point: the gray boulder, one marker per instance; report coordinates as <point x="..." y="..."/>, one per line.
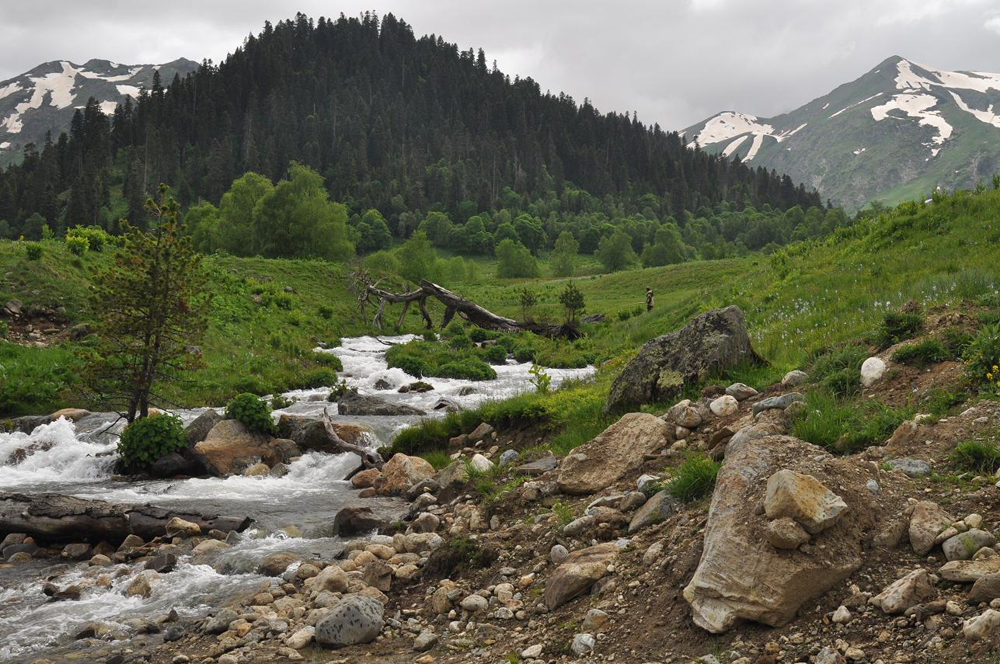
<point x="198" y="429"/>
<point x="655" y="510"/>
<point x="354" y="619"/>
<point x="709" y="344"/>
<point x="777" y="403"/>
<point x="354" y="403"/>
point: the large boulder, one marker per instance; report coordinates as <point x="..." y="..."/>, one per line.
<point x="356" y="520"/>
<point x="309" y="433"/>
<point x="905" y="592"/>
<point x="743" y="577"/>
<point x="354" y="619"/>
<point x="201" y="426"/>
<point x="355" y="403"/>
<point x="709" y="344"/>
<point x="400" y="473"/>
<point x="615" y="452"/>
<point x="228" y="442"/>
<point x="581" y="570"/>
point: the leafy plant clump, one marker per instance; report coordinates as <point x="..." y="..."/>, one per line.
<point x="979" y="456"/>
<point x="425" y="358"/>
<point x="77" y="245"/>
<point x="694" y="478"/>
<point x="33" y="251"/>
<point x="923" y="354"/>
<point x="252" y="411"/>
<point x="843" y="426"/>
<point x="898" y="326"/>
<point x="839" y="370"/>
<point x="982" y="358"/>
<point x="148" y="439"/>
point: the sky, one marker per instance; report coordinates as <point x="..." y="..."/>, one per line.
<point x="675" y="62"/>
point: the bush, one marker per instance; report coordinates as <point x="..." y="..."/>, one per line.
<point x="328" y="360"/>
<point x="279" y="401"/>
<point x="923" y="354"/>
<point x="96" y="237"/>
<point x="429" y="336"/>
<point x="411" y="365"/>
<point x="325" y="312"/>
<point x="33" y="250"/>
<point x="982" y="357"/>
<point x="460" y="342"/>
<point x="955" y="340"/>
<point x="524" y="352"/>
<point x="839" y="370"/>
<point x="468" y="368"/>
<point x="252" y="411"/>
<point x="624" y="315"/>
<point x="898" y="326"/>
<point x="317" y="377"/>
<point x="77" y="245"/>
<point x="694" y="478"/>
<point x="148" y="439"/>
<point x="979" y="456"/>
<point x="495" y="354"/>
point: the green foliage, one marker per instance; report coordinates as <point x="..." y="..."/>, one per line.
<point x="439" y="459"/>
<point x="564" y="254"/>
<point x="898" y="326"/>
<point x="77" y="245"/>
<point x="468" y="368"/>
<point x="495" y="354"/>
<point x="147" y="439"/>
<point x="328" y="360"/>
<point x="541" y="380"/>
<point x="982" y="358"/>
<point x="252" y="411"/>
<point x="456" y="359"/>
<point x="979" y="456"/>
<point x="36" y="380"/>
<point x="615" y="251"/>
<point x="279" y="401"/>
<point x="839" y="369"/>
<point x="845" y="427"/>
<point x="572" y="301"/>
<point x="693" y="479"/>
<point x="97" y="238"/>
<point x="922" y="354"/>
<point x="33" y="250"/>
<point x="528" y="302"/>
<point x="515" y="260"/>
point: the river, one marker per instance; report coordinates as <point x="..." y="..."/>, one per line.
<point x="292" y="513"/>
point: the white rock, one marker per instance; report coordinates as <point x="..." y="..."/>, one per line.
<point x="982" y="626"/>
<point x="481" y="463"/>
<point x="582" y="644"/>
<point x="474" y="603"/>
<point x="724" y="406"/>
<point x="532" y="652"/>
<point x="558" y="554"/>
<point x="872" y="371"/>
<point x="841" y="615"/>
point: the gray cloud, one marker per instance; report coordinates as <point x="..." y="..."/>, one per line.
<point x="673" y="61"/>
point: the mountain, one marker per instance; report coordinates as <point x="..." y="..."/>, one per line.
<point x="404" y="125"/>
<point x="894" y="134"/>
<point x="44" y="99"/>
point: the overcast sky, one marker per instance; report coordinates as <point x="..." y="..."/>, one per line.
<point x="674" y="61"/>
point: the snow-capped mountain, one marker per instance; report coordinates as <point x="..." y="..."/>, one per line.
<point x="45" y="98"/>
<point x="894" y="134"/>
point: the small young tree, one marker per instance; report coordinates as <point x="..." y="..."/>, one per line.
<point x="572" y="300"/>
<point x="152" y="309"/>
<point x="528" y="302"/>
<point x="564" y="254"/>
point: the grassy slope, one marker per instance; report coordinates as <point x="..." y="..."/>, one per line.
<point x="802" y="299"/>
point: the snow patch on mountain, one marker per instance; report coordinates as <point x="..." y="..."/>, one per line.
<point x="987" y="116"/>
<point x="128" y="91"/>
<point x="8" y="90"/>
<point x="739" y="126"/>
<point x="918" y="106"/>
<point x="857" y="103"/>
<point x="132" y="73"/>
<point x="732" y="146"/>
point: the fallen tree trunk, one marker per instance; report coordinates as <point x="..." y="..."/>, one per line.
<point x="453" y="304"/>
<point x="369" y="459"/>
<point x="55" y="518"/>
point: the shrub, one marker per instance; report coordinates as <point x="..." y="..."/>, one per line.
<point x="317" y="377"/>
<point x="479" y="335"/>
<point x="468" y="368"/>
<point x="96" y="237"/>
<point x="923" y="354"/>
<point x="252" y="411"/>
<point x="460" y="342"/>
<point x="980" y="456"/>
<point x="325" y="312"/>
<point x="328" y="360"/>
<point x="524" y="352"/>
<point x="77" y="245"/>
<point x="898" y="326"/>
<point x="279" y="401"/>
<point x="147" y="439"/>
<point x="495" y="354"/>
<point x="693" y="479"/>
<point x="982" y="357"/>
<point x="955" y="340"/>
<point x="839" y="370"/>
<point x="624" y="315"/>
<point x="429" y="336"/>
<point x="541" y="380"/>
<point x="33" y="250"/>
<point x="411" y="365"/>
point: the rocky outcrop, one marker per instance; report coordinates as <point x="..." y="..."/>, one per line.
<point x="230" y="446"/>
<point x="615" y="452"/>
<point x="709" y="344"/>
<point x="309" y="433"/>
<point x="743" y="577"/>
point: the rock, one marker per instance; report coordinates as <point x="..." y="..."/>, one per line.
<point x="539" y="466"/>
<point x="309" y="433"/>
<point x="428" y="485"/>
<point x="178" y="526"/>
<point x="982" y="627"/>
<point x="480" y="433"/>
<point x="280" y="450"/>
<point x="969" y="571"/>
<point x="400" y="473"/>
<point x="301" y="638"/>
<point x="257" y="470"/>
<point x="275" y="564"/>
<point x="985" y="589"/>
<point x="577" y="527"/>
<point x="382" y="384"/>
<point x="131" y="542"/>
<point x="737" y="578"/>
<point x="13" y="308"/>
<point x="965" y="545"/>
<point x="708" y="345"/>
<point x="508" y="457"/>
<point x="141" y="585"/>
<point x="581" y="570"/>
<point x="654" y="510"/>
<point x="905" y="592"/>
<point x="208" y="546"/>
<point x="803" y="498"/>
<point x="558" y="554"/>
<point x="425" y="641"/>
<point x="841" y="615"/>
<point x="926" y="523"/>
<point x="785" y="533"/>
<point x="583" y="644"/>
<point x="481" y="463"/>
<point x="365" y="478"/>
<point x="377" y="575"/>
<point x="724" y="406"/>
<point x="162" y="563"/>
<point x="331" y="579"/>
<point x="354" y="619"/>
<point x="739" y="391"/>
<point x="595" y="620"/>
<point x="199" y="428"/>
<point x="219" y="623"/>
<point x="777" y="403"/>
<point x="794" y="378"/>
<point x="425" y="523"/>
<point x="354" y="403"/>
<point x="446" y="405"/>
<point x="830" y="656"/>
<point x="474" y="603"/>
<point x="77" y="551"/>
<point x="172" y="465"/>
<point x="911" y="467"/>
<point x="532" y="652"/>
<point x="227" y="442"/>
<point x="614" y="453"/>
<point x="872" y="371"/>
<point x="685" y="414"/>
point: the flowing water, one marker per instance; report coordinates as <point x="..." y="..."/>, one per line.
<point x="292" y="513"/>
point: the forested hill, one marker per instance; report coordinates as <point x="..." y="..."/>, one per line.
<point x="392" y="122"/>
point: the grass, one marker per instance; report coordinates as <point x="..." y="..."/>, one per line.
<point x="839" y="369"/>
<point x="845" y="426"/>
<point x="898" y="326"/>
<point x="977" y="455"/>
<point x="439" y="459"/>
<point x="922" y="354"/>
<point x="36" y="380"/>
<point x="693" y="479"/>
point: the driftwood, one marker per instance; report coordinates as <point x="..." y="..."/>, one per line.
<point x="369" y="459"/>
<point x="54" y="518"/>
<point x="370" y="293"/>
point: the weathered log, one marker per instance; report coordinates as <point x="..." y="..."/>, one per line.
<point x="369" y="459"/>
<point x="55" y="518"/>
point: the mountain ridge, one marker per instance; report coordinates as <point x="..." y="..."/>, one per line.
<point x="896" y="132"/>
